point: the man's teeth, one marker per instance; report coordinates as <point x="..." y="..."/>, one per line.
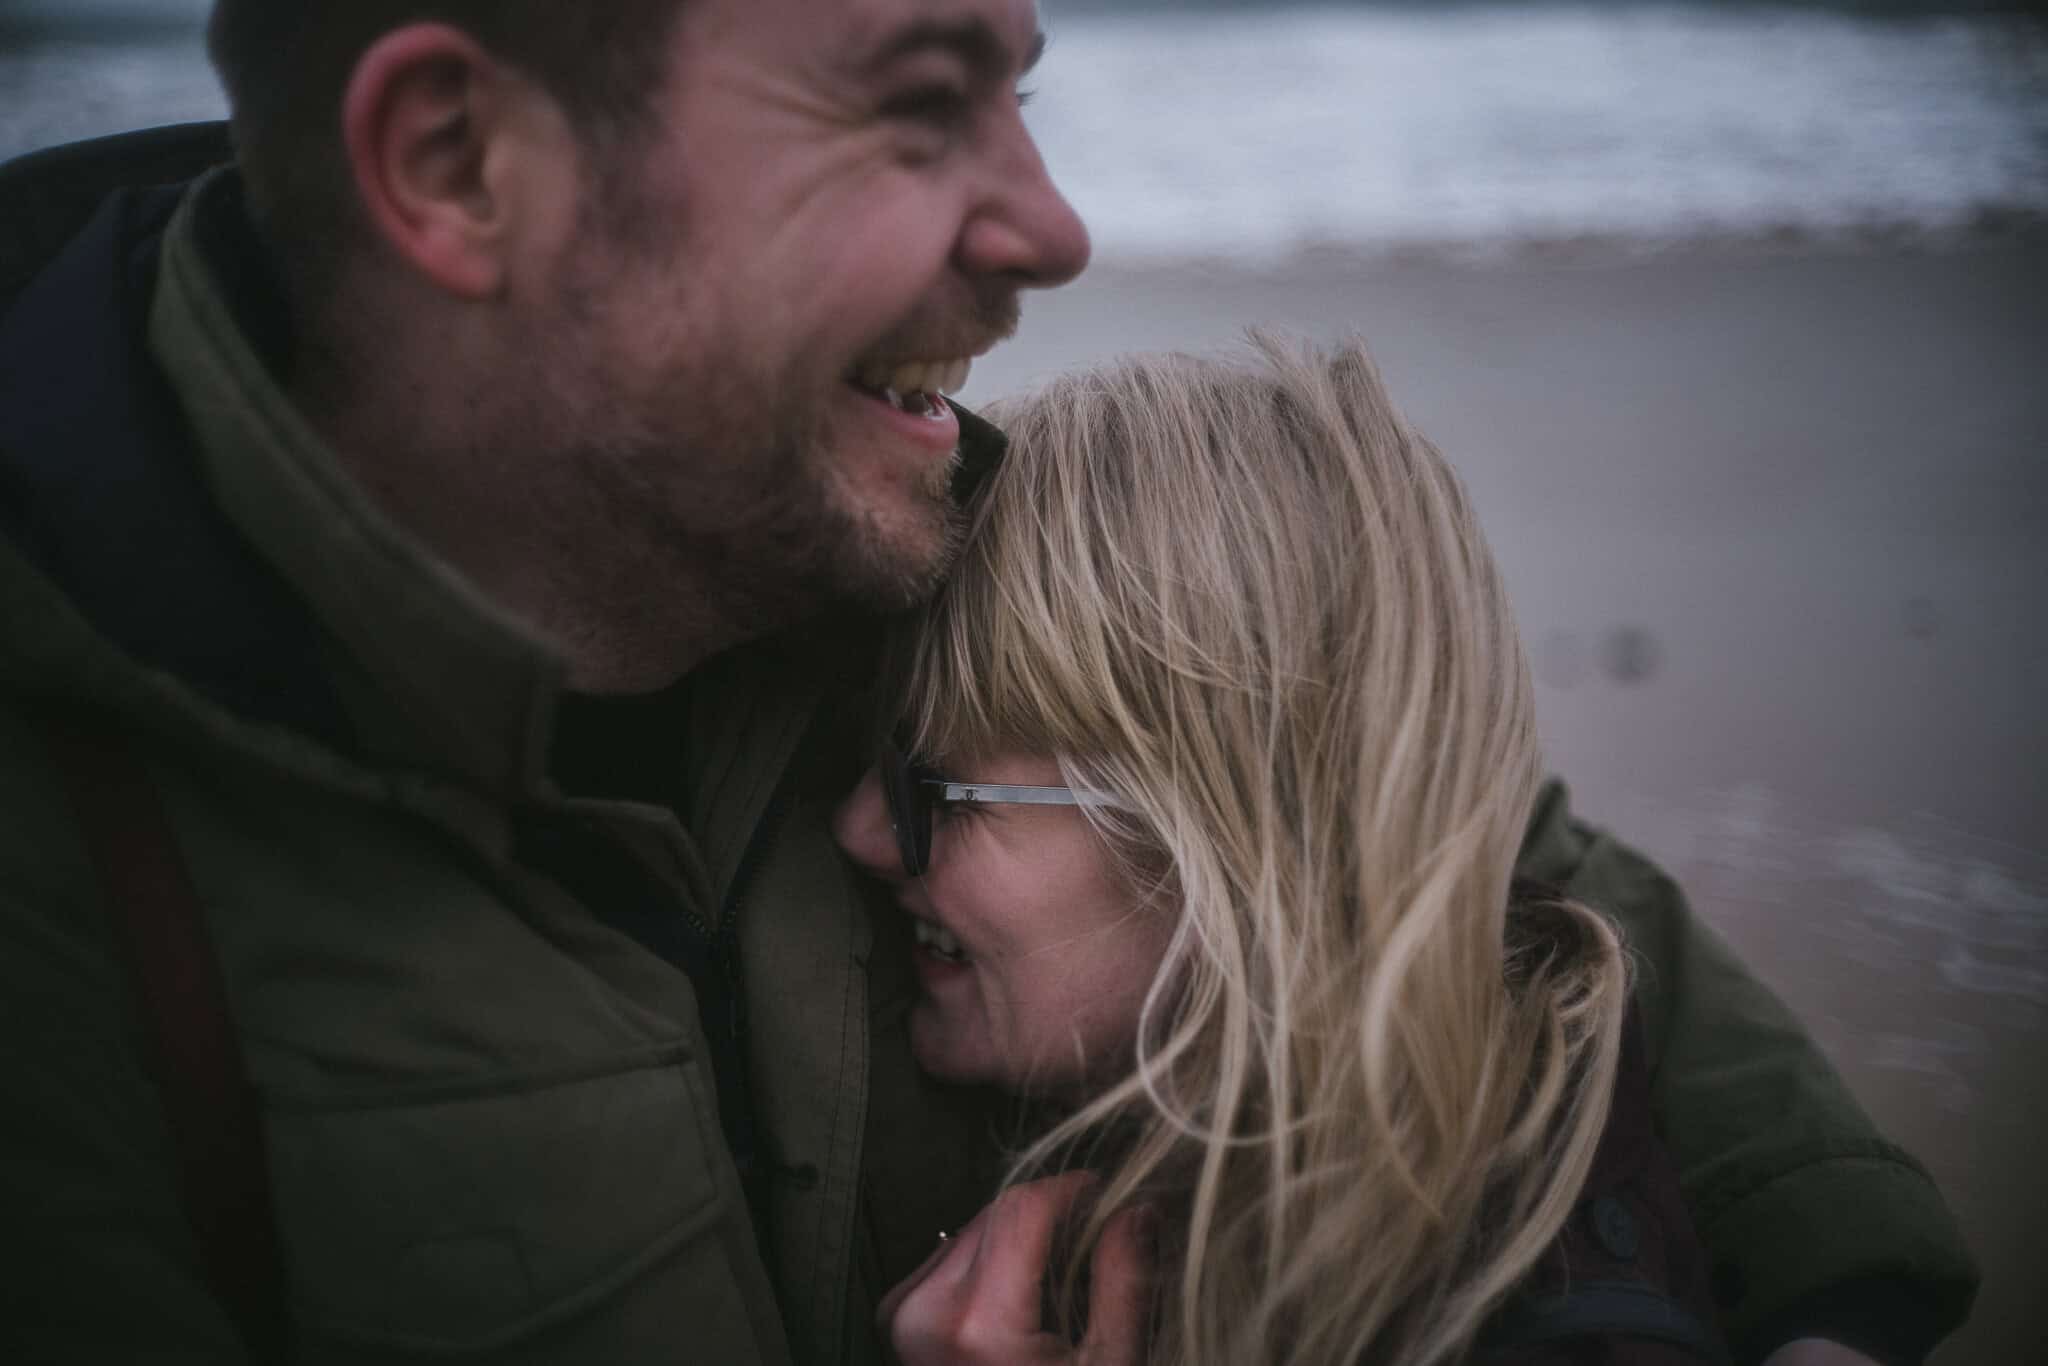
<point x="916" y="377"/>
<point x="938" y="939"/>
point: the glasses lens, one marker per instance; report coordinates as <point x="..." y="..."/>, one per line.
<point x="909" y="814"/>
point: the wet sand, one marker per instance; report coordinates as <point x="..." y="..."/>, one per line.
<point x="1777" y="529"/>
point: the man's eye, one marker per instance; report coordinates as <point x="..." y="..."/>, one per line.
<point x="939" y="104"/>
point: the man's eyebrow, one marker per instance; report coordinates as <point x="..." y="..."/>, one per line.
<point x="973" y="40"/>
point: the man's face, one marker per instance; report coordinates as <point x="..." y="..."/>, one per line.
<point x="838" y="200"/>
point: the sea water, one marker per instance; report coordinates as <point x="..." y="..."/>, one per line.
<point x="1260" y="131"/>
<point x="1255" y="131"/>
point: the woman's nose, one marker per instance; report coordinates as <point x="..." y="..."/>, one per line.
<point x="861" y="825"/>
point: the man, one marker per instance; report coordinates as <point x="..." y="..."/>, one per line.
<point x="434" y="549"/>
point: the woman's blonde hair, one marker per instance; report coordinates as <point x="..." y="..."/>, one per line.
<point x="1245" y="597"/>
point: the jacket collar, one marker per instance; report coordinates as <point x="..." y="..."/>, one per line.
<point x="101" y="502"/>
<point x="432" y="673"/>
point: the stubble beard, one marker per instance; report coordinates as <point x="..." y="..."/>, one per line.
<point x="868" y="564"/>
<point x="806" y="542"/>
<point x="705" y="495"/>
<point x="733" y="512"/>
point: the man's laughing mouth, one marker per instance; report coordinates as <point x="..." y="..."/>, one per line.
<point x="916" y="387"/>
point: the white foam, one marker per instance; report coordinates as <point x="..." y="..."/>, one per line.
<point x="1253" y="133"/>
<point x="1258" y="134"/>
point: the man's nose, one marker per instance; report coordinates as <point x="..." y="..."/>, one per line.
<point x="1025" y="231"/>
<point x="861" y="825"/>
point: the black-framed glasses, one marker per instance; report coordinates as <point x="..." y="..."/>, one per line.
<point x="914" y="791"/>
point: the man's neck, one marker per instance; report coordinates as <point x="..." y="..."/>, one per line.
<point x="443" y="464"/>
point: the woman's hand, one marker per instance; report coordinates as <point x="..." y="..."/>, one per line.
<point x="1817" y="1352"/>
<point x="976" y="1299"/>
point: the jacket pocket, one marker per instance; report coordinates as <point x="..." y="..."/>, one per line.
<point x="467" y="1219"/>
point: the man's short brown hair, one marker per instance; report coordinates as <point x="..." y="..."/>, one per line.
<point x="286" y="63"/>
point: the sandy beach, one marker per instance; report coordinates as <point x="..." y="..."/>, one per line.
<point x="1777" y="528"/>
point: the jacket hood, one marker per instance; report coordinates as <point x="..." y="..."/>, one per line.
<point x="114" y="550"/>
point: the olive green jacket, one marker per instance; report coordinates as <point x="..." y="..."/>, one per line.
<point x="491" y="1129"/>
<point x="489" y="1119"/>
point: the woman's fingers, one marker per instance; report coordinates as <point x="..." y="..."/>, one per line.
<point x="954" y="1255"/>
<point x="926" y="1317"/>
<point x="1120" y="1291"/>
<point x="977" y="1299"/>
<point x="1011" y="1256"/>
<point x="893" y="1301"/>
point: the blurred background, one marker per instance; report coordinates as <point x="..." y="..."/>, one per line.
<point x="1733" y="317"/>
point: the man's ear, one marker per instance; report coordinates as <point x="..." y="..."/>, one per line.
<point x="430" y="124"/>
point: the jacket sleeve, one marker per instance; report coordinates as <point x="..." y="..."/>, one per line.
<point x="1814" y="1223"/>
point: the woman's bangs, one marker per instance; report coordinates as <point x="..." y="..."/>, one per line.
<point x="992" y="662"/>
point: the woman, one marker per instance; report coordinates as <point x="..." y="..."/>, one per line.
<point x="1224" y="747"/>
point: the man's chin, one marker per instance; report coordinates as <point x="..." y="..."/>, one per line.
<point x="894" y="564"/>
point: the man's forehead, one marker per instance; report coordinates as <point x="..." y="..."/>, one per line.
<point x="1001" y="34"/>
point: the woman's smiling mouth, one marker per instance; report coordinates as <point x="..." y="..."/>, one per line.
<point x="937" y="940"/>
